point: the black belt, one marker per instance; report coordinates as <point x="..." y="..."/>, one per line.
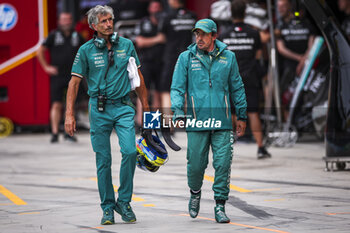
<point x="111" y="101"/>
<point x="115" y="101"/>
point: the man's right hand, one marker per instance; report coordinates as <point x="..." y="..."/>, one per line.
<point x="300" y="66"/>
<point x="70" y="125"/>
<point x="240" y="128"/>
<point x="51" y="70"/>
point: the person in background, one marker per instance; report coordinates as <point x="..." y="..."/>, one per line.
<point x="175" y="32"/>
<point x="150" y="53"/>
<point x="82" y="26"/>
<point x="127" y="14"/>
<point x="344" y="6"/>
<point x="129" y="9"/>
<point x="245" y="42"/>
<point x="256" y="16"/>
<point x="62" y="43"/>
<point x="295" y="37"/>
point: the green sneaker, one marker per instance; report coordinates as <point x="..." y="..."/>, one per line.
<point x="125" y="210"/>
<point x="193" y="205"/>
<point x="108" y="217"/>
<point x="220" y="215"/>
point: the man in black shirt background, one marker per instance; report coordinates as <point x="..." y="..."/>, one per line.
<point x="245" y="42"/>
<point x="176" y="31"/>
<point x="295" y="37"/>
<point x="128" y="9"/>
<point x="150" y="53"/>
<point x="344" y="5"/>
<point x="62" y="43"/>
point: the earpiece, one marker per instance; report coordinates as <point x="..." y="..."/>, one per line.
<point x="101" y="43"/>
<point x="114" y="38"/>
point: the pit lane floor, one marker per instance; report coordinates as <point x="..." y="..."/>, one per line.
<point x="52" y="188"/>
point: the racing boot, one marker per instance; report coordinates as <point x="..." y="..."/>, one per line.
<point x="193" y="205"/>
<point x="108" y="217"/>
<point x="125" y="210"/>
<point x="220" y="215"/>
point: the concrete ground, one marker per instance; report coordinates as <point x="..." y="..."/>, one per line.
<point x="52" y="188"/>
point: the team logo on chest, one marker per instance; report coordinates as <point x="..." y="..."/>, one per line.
<point x="98" y="59"/>
<point x="196" y="64"/>
<point x="223" y="60"/>
<point x="121" y="53"/>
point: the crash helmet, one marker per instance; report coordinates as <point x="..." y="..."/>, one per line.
<point x="149" y="158"/>
<point x="142" y="163"/>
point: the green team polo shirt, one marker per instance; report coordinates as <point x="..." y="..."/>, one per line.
<point x="92" y="62"/>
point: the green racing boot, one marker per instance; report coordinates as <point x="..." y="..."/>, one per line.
<point x="108" y="217"/>
<point x="193" y="205"/>
<point x="220" y="215"/>
<point x="125" y="210"/>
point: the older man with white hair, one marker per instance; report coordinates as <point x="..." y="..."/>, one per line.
<point x="103" y="61"/>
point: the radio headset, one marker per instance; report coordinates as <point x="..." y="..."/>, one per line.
<point x="101" y="44"/>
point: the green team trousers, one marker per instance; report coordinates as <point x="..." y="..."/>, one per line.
<point x="119" y="116"/>
<point x="221" y="142"/>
